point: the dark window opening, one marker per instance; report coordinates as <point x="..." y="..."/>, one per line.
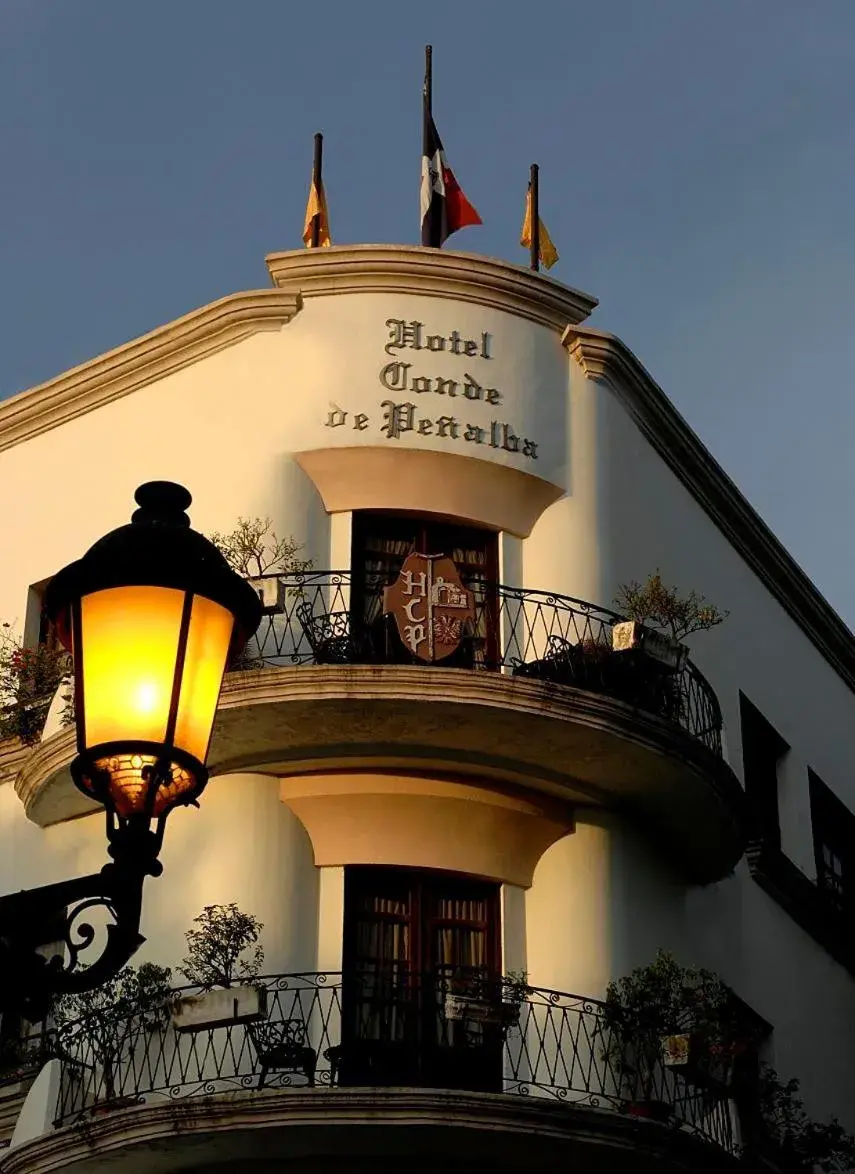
<point x="38" y="629"/>
<point x="834" y="845"/>
<point x="413" y="940"/>
<point x="380" y="544"/>
<point x="762" y="751"/>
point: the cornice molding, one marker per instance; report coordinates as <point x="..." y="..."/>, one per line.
<point x="604" y="357"/>
<point x="441" y="273"/>
<point x="131" y="366"/>
<point x="45" y="773"/>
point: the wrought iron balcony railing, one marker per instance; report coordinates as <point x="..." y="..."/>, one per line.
<point x="335" y="617"/>
<point x="383" y="1029"/>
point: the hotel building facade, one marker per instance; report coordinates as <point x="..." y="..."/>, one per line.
<point x="398" y="819"/>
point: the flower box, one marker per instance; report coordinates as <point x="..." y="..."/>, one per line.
<point x="219" y="1008"/>
<point x="630" y="636"/>
<point x="676" y="1050"/>
<point x="474" y="1010"/>
<point x="271" y="591"/>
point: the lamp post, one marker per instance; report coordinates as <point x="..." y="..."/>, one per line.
<point x="151" y="615"/>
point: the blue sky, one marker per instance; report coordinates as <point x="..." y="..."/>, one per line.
<point x="697" y="174"/>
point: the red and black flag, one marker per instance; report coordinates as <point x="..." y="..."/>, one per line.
<point x="444" y="207"/>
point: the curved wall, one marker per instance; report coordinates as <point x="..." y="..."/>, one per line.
<point x="328" y="377"/>
<point x="600" y="904"/>
<point x="242" y="845"/>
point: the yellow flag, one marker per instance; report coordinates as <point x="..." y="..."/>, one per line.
<point x="317" y="206"/>
<point x="547" y="250"/>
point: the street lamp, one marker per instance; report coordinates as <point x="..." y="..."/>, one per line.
<point x="151" y="614"/>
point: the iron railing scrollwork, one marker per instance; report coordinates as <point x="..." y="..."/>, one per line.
<point x="331" y="1030"/>
<point x="335" y="617"/>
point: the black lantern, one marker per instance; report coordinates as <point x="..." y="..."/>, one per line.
<point x="151" y="614"/>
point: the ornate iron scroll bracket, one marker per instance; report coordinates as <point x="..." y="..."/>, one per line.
<point x="58" y="915"/>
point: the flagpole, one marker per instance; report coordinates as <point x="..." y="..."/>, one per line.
<point x="535" y="220"/>
<point x="317" y="168"/>
<point x="429" y="79"/>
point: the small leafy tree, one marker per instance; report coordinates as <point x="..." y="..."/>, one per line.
<point x="803" y="1144"/>
<point x="253" y="549"/>
<point x="29" y="678"/>
<point x="658" y="606"/>
<point x="659" y="1000"/>
<point x="224" y="948"/>
<point x="104" y="1024"/>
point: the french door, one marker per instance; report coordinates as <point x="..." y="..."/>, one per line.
<point x="380" y="544"/>
<point x="420" y="948"/>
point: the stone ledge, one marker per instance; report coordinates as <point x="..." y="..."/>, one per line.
<point x="317" y="1128"/>
<point x="577" y="746"/>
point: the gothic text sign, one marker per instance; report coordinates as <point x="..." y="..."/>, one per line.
<point x="430" y="606"/>
<point x="458" y="416"/>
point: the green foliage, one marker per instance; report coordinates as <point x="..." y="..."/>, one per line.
<point x="29" y="678"/>
<point x="223" y="949"/>
<point x="658" y="606"/>
<point x="101" y="1022"/>
<point x="253" y="549"/>
<point x="134" y="991"/>
<point x="515" y="987"/>
<point x="803" y="1144"/>
<point x="664" y="999"/>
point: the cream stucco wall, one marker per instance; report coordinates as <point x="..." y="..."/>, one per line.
<point x="626" y="515"/>
<point x="241" y="845"/>
<point x="602" y="901"/>
<point x="600" y="904"/>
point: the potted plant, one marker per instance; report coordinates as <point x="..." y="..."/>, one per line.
<point x="29" y="679"/>
<point x="496" y="1003"/>
<point x="515" y="990"/>
<point x="659" y="619"/>
<point x="100" y="1028"/>
<point x="254" y="550"/>
<point x="583" y="664"/>
<point x="665" y="1018"/>
<point x="648" y="646"/>
<point x="223" y="957"/>
<point x="775" y="1126"/>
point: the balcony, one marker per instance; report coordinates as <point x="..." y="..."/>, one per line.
<point x="318" y="1039"/>
<point x="329" y="618"/>
<point x="533" y="705"/>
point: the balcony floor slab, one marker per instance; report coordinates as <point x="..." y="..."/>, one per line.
<point x="575" y="745"/>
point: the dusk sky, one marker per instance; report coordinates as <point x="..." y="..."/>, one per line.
<point x="697" y="175"/>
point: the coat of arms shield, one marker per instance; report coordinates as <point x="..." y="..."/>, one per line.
<point x="430" y="605"/>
